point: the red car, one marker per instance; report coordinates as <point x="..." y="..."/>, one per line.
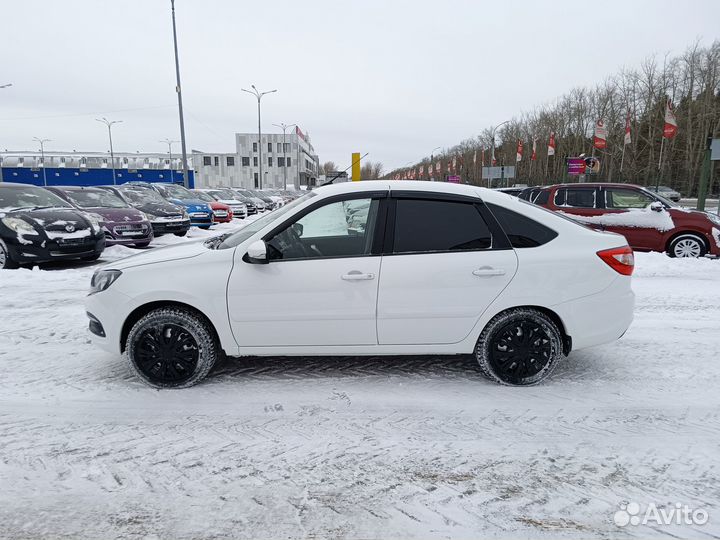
<point x="222" y="213"/>
<point x="648" y="221"/>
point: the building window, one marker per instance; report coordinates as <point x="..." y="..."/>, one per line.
<point x="230" y="161"/>
<point x="255" y="162"/>
<point x="281" y="162"/>
<point x="256" y="180"/>
<point x="217" y="161"/>
<point x="207" y="161"/>
<point x="269" y="147"/>
<point x="254" y="147"/>
<point x="269" y="161"/>
<point x="246" y="162"/>
<point x="287" y="146"/>
<point x="287" y="162"/>
<point x="279" y="147"/>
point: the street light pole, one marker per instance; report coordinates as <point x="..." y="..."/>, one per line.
<point x="492" y="137"/>
<point x="178" y="89"/>
<point x="170" y="143"/>
<point x="109" y="124"/>
<point x="283" y="126"/>
<point x="255" y="92"/>
<point x="1" y="175"/>
<point x="42" y="156"/>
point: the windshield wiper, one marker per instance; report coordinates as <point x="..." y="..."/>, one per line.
<point x="215" y="241"/>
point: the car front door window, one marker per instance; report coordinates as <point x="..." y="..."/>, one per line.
<point x="626" y="198"/>
<point x="338" y="229"/>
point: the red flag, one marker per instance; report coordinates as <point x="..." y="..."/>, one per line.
<point x="670" y="129"/>
<point x="551" y="144"/>
<point x="518" y="155"/>
<point x="628" y="138"/>
<point x="533" y="157"/>
<point x="600" y="138"/>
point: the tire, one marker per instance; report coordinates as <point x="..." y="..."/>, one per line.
<point x="91" y="258"/>
<point x="183" y="233"/>
<point x="687" y="245"/>
<point x="528" y="366"/>
<point x="6" y="263"/>
<point x="149" y="348"/>
<point x="142" y="245"/>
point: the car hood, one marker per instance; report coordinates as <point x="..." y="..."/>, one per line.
<point x="192" y="205"/>
<point x="117" y="215"/>
<point x="51" y="217"/>
<point x="176" y="252"/>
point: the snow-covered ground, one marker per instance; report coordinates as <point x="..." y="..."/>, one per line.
<point x="419" y="447"/>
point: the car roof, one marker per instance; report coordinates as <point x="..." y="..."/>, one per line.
<point x="591" y="185"/>
<point x="76" y="188"/>
<point x="17" y="185"/>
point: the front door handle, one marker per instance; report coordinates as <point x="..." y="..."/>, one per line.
<point x="486" y="271"/>
<point x="357" y="275"/>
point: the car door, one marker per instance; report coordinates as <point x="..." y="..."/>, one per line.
<point x="627" y="211"/>
<point x="320" y="284"/>
<point x="445" y="262"/>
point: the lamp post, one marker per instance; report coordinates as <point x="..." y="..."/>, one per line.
<point x="432" y="155"/>
<point x="258" y="95"/>
<point x="109" y="125"/>
<point x="178" y="89"/>
<point x="170" y="143"/>
<point x="492" y="139"/>
<point x="283" y="126"/>
<point x="42" y="156"/>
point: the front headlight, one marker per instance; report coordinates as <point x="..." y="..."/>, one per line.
<point x="95" y="222"/>
<point x="102" y="279"/>
<point x="20" y="226"/>
<point x="712" y="217"/>
<point x="185" y="214"/>
<point x="150" y="217"/>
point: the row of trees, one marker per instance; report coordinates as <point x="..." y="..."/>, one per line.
<point x="369" y="170"/>
<point x="690" y="80"/>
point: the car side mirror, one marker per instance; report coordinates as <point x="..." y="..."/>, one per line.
<point x="657" y="206"/>
<point x="256" y="253"/>
<point x="298" y="228"/>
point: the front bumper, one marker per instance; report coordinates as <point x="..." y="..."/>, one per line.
<point x="201" y="219"/>
<point x="128" y="233"/>
<point x="170" y="227"/>
<point x="55" y="250"/>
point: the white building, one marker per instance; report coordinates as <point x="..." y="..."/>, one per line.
<point x="286" y="160"/>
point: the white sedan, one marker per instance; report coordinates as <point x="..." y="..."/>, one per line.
<point x="372" y="268"/>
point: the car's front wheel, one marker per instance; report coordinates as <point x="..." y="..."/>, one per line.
<point x="171" y="348"/>
<point x="519" y="347"/>
<point x="687" y="245"/>
<point x="6" y="262"/>
<point x="183" y="233"/>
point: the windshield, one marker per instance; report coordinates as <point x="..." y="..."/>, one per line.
<point x="237" y="238"/>
<point x="28" y="197"/>
<point x="666" y="202"/>
<point x="141" y="195"/>
<point x="178" y="192"/>
<point x="95" y="198"/>
<point x="203" y="196"/>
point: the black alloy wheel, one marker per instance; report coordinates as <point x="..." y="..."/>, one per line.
<point x="519" y="347"/>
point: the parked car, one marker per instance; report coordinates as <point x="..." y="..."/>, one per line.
<point x="38" y="226"/>
<point x="121" y="223"/>
<point x="222" y="213"/>
<point x="667" y="192"/>
<point x="648" y="221"/>
<point x="514" y="191"/>
<point x="270" y="202"/>
<point x="200" y="213"/>
<point x="228" y="197"/>
<point x="372" y="268"/>
<point x="165" y="217"/>
<point x="258" y="202"/>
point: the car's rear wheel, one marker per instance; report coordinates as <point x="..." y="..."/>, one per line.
<point x="6" y="262"/>
<point x="519" y="347"/>
<point x="687" y="245"/>
<point x="171" y="348"/>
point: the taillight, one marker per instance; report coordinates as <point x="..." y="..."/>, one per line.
<point x="620" y="259"/>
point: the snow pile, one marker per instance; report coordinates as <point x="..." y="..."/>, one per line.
<point x="636" y="217"/>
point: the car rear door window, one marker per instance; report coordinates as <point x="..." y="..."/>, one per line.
<point x="575" y="197"/>
<point x="423" y="225"/>
<point x="626" y="198"/>
<point x="522" y="231"/>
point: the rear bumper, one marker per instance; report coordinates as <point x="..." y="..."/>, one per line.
<point x="599" y="318"/>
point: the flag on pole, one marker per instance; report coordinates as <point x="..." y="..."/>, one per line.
<point x="475" y="158"/>
<point x="454" y="164"/>
<point x="482" y="157"/>
<point x="519" y="153"/>
<point x="671" y="127"/>
<point x="551" y="144"/>
<point x="533" y="157"/>
<point x="600" y="138"/>
<point x="437" y="167"/>
<point x="628" y="137"/>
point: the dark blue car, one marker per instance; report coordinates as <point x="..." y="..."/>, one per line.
<point x="201" y="215"/>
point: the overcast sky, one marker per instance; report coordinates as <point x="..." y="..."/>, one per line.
<point x="392" y="78"/>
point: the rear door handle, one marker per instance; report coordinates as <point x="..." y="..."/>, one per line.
<point x="486" y="271"/>
<point x="356" y="275"/>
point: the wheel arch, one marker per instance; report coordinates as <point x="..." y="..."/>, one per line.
<point x="687" y="232"/>
<point x="144" y="309"/>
